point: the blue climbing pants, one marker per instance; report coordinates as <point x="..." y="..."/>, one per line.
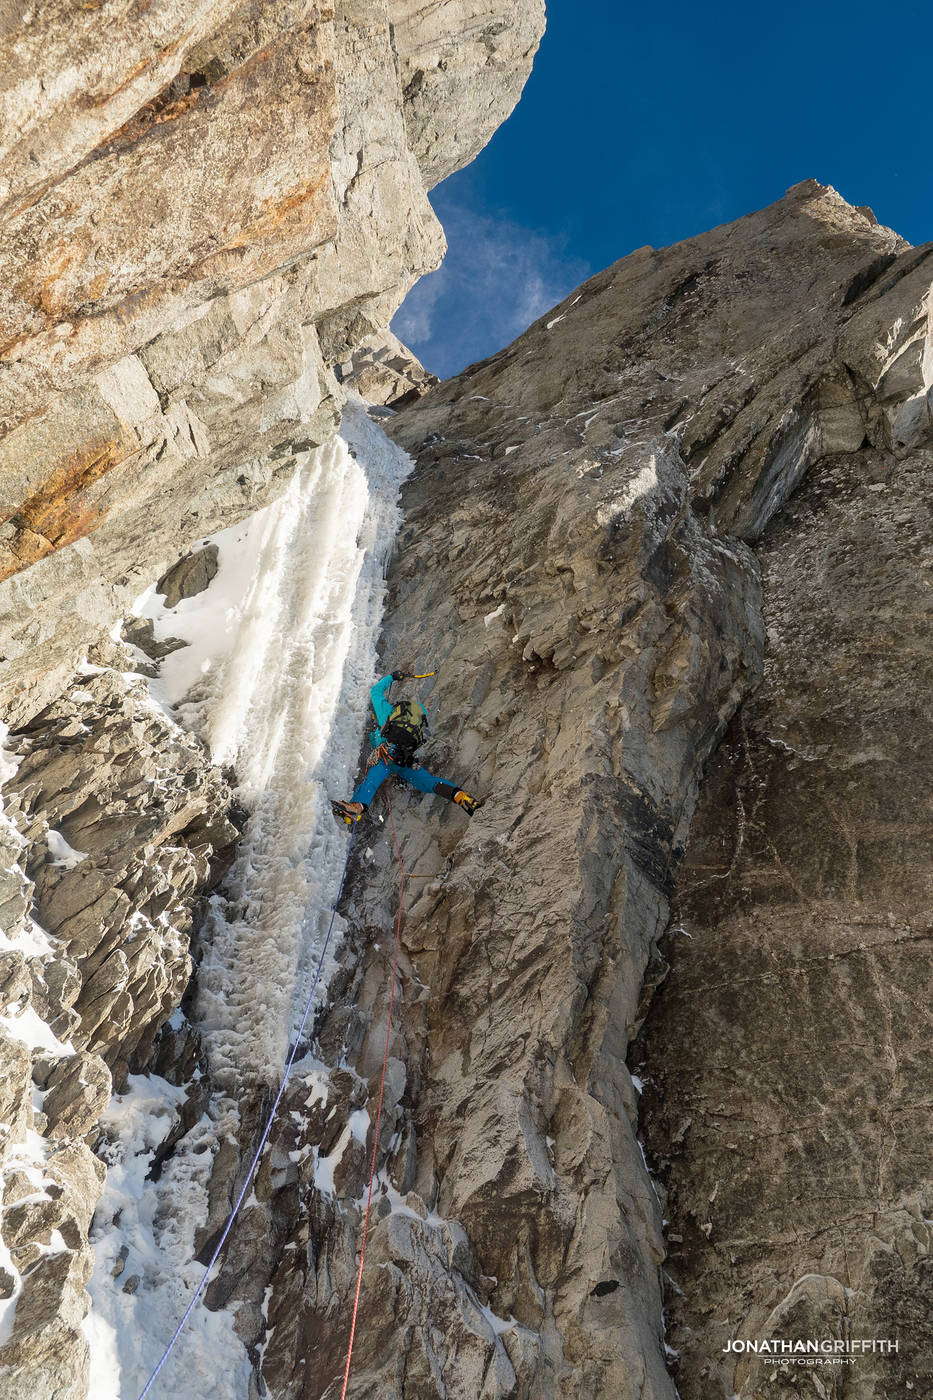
<point x="418" y="778"/>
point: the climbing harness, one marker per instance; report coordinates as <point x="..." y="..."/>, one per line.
<point x="262" y="1141"/>
<point x="385" y="1061"/>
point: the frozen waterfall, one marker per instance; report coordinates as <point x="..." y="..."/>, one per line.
<point x="275" y="676"/>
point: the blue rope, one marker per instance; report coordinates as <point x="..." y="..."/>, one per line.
<point x="262" y="1140"/>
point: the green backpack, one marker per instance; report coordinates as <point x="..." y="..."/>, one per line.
<point x="405" y="727"/>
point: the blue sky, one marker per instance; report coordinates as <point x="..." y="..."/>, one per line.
<point x="650" y="123"/>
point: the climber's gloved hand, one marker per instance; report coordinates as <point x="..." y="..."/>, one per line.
<point x="400" y="675"/>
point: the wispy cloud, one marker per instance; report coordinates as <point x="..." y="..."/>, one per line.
<point x="497" y="278"/>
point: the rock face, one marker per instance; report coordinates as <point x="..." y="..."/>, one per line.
<point x="467" y="56"/>
<point x="91" y="766"/>
<point x="684" y="505"/>
<point x="793" y="1144"/>
<point x="384" y="371"/>
<point x="203" y="207"/>
<point x="577" y="562"/>
<point x="114" y="825"/>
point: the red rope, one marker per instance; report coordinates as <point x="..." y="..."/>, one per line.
<point x="385" y="1061"/>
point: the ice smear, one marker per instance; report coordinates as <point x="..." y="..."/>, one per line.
<point x="498" y="1324"/>
<point x="643" y="483"/>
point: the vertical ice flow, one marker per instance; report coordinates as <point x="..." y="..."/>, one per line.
<point x="276" y="676"/>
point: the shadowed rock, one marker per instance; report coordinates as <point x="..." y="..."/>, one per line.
<point x="190" y="576"/>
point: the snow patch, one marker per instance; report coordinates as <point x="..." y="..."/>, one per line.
<point x="318" y="1082"/>
<point x="358" y="1123"/>
<point x="63" y="855"/>
<point x="642" y="484"/>
<point x="29" y="1027"/>
<point x="399" y="1206"/>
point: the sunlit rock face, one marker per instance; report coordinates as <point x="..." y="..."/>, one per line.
<point x="468" y="56"/>
<point x="202" y="208"/>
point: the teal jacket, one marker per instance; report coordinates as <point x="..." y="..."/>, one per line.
<point x="382" y="707"/>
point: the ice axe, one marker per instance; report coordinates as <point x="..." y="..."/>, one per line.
<point x="412" y="675"/>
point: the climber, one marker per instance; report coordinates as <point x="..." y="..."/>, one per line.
<point x="399" y="732"/>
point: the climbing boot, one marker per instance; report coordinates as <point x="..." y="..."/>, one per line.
<point x="349" y="812"/>
<point x="464" y="800"/>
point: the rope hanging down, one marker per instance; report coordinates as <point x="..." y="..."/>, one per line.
<point x="385" y="1061"/>
<point x="262" y="1141"/>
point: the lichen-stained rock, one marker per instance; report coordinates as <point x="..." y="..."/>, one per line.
<point x="201" y="208"/>
<point x="73" y="75"/>
<point x="196" y="194"/>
